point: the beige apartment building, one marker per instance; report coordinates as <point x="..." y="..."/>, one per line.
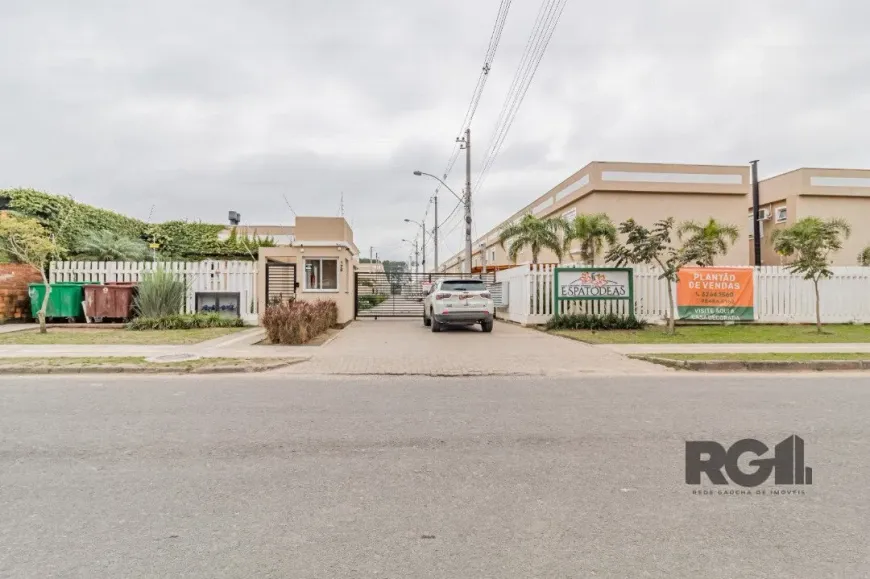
<point x="646" y="192"/>
<point x="825" y="193"/>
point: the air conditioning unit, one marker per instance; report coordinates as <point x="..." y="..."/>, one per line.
<point x="764" y="214"/>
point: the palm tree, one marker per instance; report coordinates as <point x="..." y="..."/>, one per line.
<point x="109" y="246"/>
<point x="534" y="233"/>
<point x="864" y="256"/>
<point x="591" y="230"/>
<point x="705" y="241"/>
<point x="810" y="242"/>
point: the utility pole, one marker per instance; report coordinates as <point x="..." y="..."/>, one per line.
<point x="465" y="143"/>
<point x="436" y="230"/>
<point x="371" y="250"/>
<point x="416" y="257"/>
<point x="756" y="223"/>
<point x="424" y="243"/>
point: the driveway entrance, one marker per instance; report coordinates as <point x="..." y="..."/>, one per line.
<point x="406" y="347"/>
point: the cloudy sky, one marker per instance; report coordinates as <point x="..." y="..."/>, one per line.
<point x="198" y="107"/>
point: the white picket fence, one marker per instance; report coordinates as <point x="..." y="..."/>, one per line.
<point x="199" y="276"/>
<point x="780" y="296"/>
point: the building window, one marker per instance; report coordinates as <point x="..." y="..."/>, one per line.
<point x="492" y="256"/>
<point x="781" y="214"/>
<point x="570" y="215"/>
<point x="321" y="274"/>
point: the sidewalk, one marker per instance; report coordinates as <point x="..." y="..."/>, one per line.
<point x="240" y="345"/>
<point x="763" y="348"/>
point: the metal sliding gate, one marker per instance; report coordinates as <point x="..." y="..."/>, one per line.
<point x="382" y="294"/>
<point x="280" y="282"/>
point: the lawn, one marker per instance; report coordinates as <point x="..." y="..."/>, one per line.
<point x="139" y="362"/>
<point x="105" y="337"/>
<point x="736" y="334"/>
<point x="765" y="357"/>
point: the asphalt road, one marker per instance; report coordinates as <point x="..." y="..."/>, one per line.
<point x="418" y="477"/>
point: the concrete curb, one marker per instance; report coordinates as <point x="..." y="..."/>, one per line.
<point x="148" y="370"/>
<point x="758" y="365"/>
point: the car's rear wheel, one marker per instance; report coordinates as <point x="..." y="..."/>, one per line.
<point x="486" y="326"/>
<point x="436" y="325"/>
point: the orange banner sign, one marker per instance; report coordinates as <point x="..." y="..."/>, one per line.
<point x="715" y="293"/>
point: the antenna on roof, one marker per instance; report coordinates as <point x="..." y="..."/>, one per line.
<point x="341" y="206"/>
<point x="288" y="205"/>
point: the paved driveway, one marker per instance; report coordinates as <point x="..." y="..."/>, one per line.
<point x="406" y="347"/>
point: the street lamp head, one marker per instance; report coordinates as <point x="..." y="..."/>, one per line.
<point x="407" y="221"/>
<point x="418" y="173"/>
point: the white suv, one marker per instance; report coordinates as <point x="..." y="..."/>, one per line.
<point x="458" y="301"/>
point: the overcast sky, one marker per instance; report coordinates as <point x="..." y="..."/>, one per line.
<point x="199" y="107"/>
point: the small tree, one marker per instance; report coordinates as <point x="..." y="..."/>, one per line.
<point x="810" y="242"/>
<point x="534" y="233"/>
<point x="651" y="247"/>
<point x="592" y="231"/>
<point x="864" y="256"/>
<point x="26" y="241"/>
<point x="707" y="240"/>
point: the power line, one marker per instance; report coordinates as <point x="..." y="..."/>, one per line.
<point x="548" y="18"/>
<point x="491" y="49"/>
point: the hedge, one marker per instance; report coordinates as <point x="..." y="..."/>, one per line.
<point x="179" y="240"/>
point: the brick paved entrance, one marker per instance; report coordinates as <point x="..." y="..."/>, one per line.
<point x="406" y="347"/>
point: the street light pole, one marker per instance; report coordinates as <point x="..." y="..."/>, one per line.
<point x="416" y="255"/>
<point x="423" y="227"/>
<point x="461" y="200"/>
<point x="435" y="231"/>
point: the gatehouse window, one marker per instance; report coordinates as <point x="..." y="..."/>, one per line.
<point x="321" y="274"/>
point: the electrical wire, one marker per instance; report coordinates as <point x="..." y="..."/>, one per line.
<point x="548" y="18"/>
<point x="489" y="57"/>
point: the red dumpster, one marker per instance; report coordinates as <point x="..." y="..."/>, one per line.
<point x="109" y="301"/>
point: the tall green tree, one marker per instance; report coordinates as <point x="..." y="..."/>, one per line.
<point x="651" y="247"/>
<point x="592" y="231"/>
<point x="396" y="273"/>
<point x="705" y="241"/>
<point x="26" y="241"/>
<point x="810" y="243"/>
<point x="533" y="233"/>
<point x="864" y="256"/>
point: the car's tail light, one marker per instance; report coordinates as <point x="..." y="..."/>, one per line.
<point x="442" y="295"/>
<point x="485" y="295"/>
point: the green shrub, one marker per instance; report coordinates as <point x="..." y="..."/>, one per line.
<point x="609" y="321"/>
<point x="185" y="322"/>
<point x="160" y="294"/>
<point x="298" y="322"/>
<point x="367" y="302"/>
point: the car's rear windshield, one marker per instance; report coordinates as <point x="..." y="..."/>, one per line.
<point x="468" y="285"/>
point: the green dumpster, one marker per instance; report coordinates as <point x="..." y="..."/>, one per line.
<point x="65" y="300"/>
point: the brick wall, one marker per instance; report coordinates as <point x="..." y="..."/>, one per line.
<point x="14" y="301"/>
